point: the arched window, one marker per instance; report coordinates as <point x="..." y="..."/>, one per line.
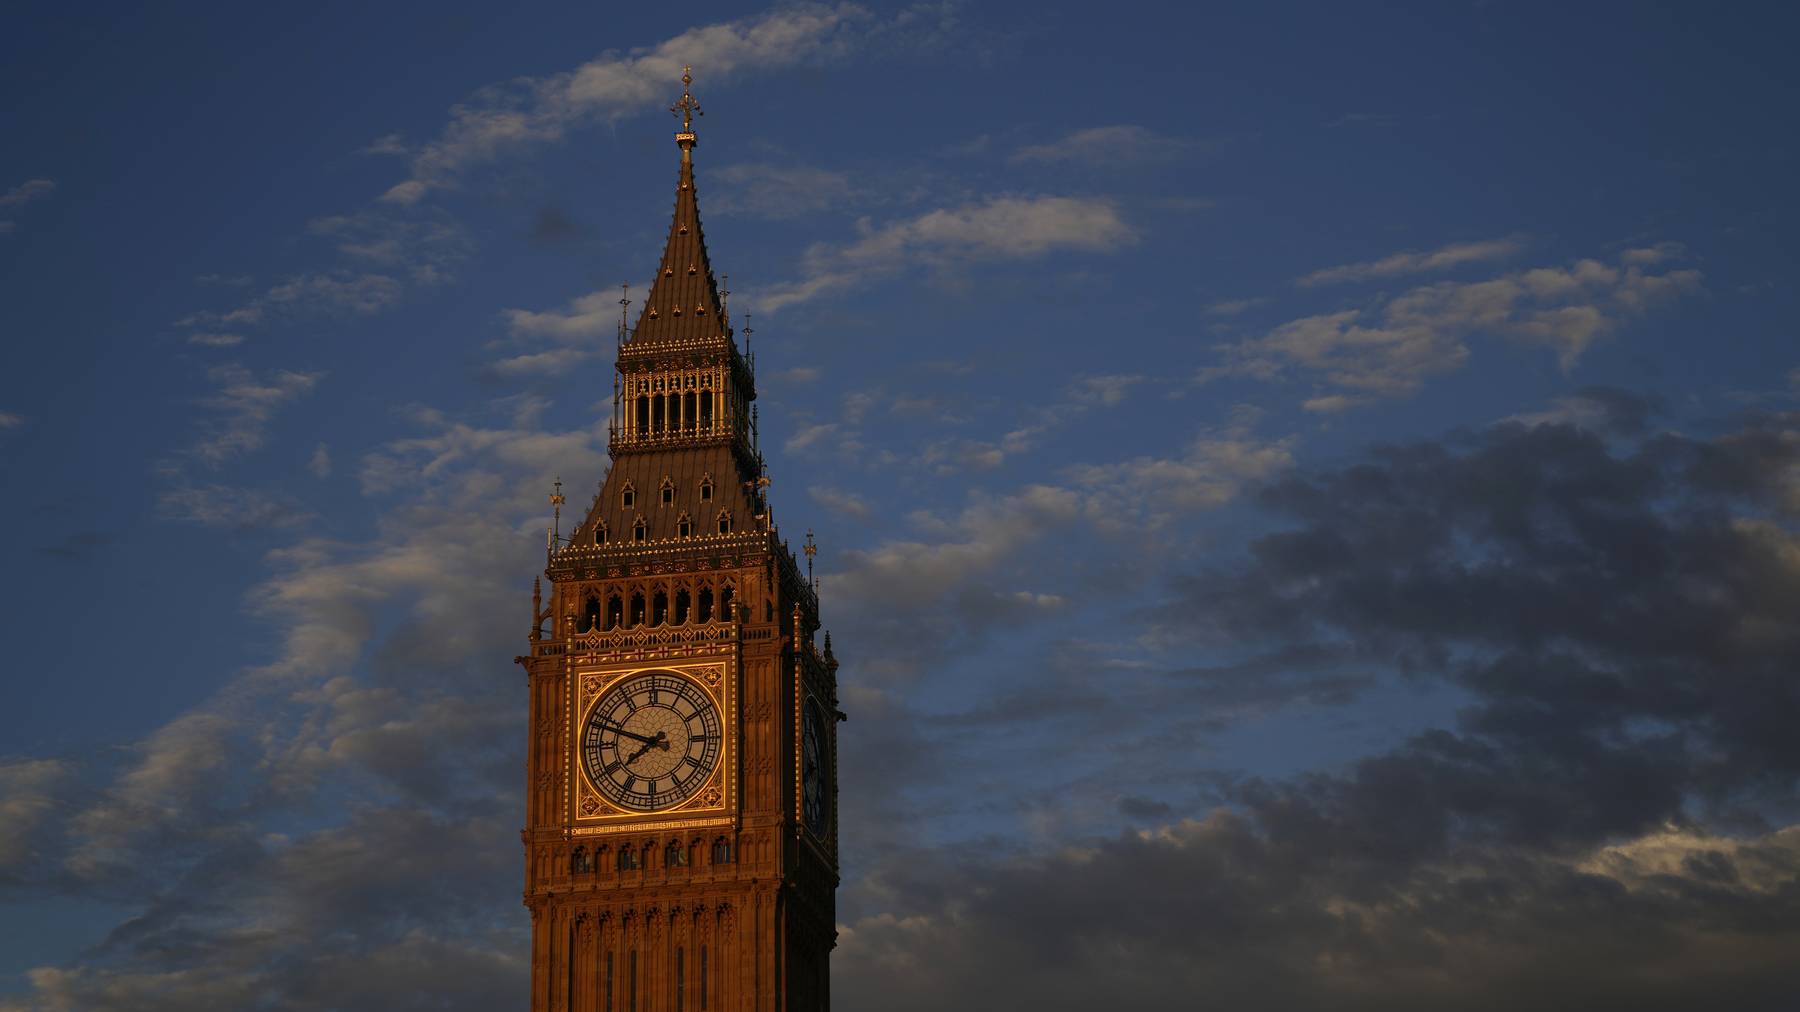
<point x="615" y="611"/>
<point x="725" y="613"/>
<point x="721" y="851"/>
<point x="643" y="415"/>
<point x="687" y="411"/>
<point x="659" y="608"/>
<point x="682" y="607"/>
<point x="578" y="861"/>
<point x="637" y="609"/>
<point x="656" y="413"/>
<point x="705" y="613"/>
<point x="627" y="859"/>
<point x="590" y="614"/>
<point x="706" y="400"/>
<point x="674" y="856"/>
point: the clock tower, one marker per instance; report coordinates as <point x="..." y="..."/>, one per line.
<point x="680" y="817"/>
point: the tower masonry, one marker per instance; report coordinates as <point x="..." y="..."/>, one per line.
<point x="680" y="821"/>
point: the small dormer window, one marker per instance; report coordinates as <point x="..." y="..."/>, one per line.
<point x="628" y="496"/>
<point x="706" y="489"/>
<point x="724" y="521"/>
<point x="668" y="492"/>
<point x="639" y="531"/>
<point x="599" y="534"/>
<point x="684" y="527"/>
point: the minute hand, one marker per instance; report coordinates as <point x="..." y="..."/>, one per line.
<point x="619" y="730"/>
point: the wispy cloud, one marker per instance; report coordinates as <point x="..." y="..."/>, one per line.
<point x="778" y="191"/>
<point x="585" y="317"/>
<point x="245" y="405"/>
<point x="506" y="118"/>
<point x="1000" y="228"/>
<point x="9" y="420"/>
<point x="1390" y="349"/>
<point x="208" y="340"/>
<point x="22" y="194"/>
<point x="26" y="192"/>
<point x="1120" y="142"/>
<point x="229" y="507"/>
<point x="1401" y="264"/>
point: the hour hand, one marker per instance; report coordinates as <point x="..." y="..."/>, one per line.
<point x="648" y="744"/>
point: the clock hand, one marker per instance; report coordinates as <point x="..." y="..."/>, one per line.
<point x="616" y="729"/>
<point x="661" y="740"/>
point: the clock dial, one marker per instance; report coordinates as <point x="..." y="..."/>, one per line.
<point x="813" y="797"/>
<point x="651" y="741"/>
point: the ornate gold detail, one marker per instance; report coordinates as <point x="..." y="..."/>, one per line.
<point x="717" y="795"/>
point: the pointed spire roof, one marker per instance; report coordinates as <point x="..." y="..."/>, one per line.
<point x="684" y="303"/>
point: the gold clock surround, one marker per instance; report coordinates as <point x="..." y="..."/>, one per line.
<point x="711" y="805"/>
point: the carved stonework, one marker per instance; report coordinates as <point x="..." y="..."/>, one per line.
<point x="693" y="624"/>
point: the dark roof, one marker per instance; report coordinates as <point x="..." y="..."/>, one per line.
<point x="683" y="304"/>
<point x="685" y="468"/>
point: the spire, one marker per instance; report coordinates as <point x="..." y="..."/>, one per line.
<point x="683" y="304"/>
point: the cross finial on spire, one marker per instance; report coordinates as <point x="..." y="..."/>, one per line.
<point x="687" y="108"/>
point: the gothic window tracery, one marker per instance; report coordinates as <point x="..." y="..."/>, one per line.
<point x="590" y="613"/>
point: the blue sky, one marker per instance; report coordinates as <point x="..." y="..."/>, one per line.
<point x="1277" y="465"/>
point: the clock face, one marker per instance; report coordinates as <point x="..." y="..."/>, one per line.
<point x="651" y="741"/>
<point x="813" y="803"/>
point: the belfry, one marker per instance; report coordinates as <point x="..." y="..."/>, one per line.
<point x="680" y="818"/>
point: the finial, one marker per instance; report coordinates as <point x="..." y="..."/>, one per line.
<point x="624" y="308"/>
<point x="725" y="302"/>
<point x="556" y="501"/>
<point x="687" y="108"/>
<point x="811" y="549"/>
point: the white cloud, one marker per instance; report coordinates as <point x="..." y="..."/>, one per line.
<point x="1233" y="307"/>
<point x="229" y="507"/>
<point x="26" y="192"/>
<point x="246" y="405"/>
<point x="1000" y="228"/>
<point x="1211" y="472"/>
<point x="356" y="293"/>
<point x="777" y="192"/>
<point x="8" y="420"/>
<point x="27" y="794"/>
<point x="505" y="118"/>
<point x="1391" y="348"/>
<point x="586" y="317"/>
<point x="1400" y="264"/>
<point x="320" y="462"/>
<point x="840" y="501"/>
<point x="208" y="340"/>
<point x="542" y="363"/>
<point x="1096" y="144"/>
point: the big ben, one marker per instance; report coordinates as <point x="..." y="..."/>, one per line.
<point x="681" y="827"/>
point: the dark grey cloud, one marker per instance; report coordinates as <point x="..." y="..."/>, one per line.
<point x="1602" y="826"/>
